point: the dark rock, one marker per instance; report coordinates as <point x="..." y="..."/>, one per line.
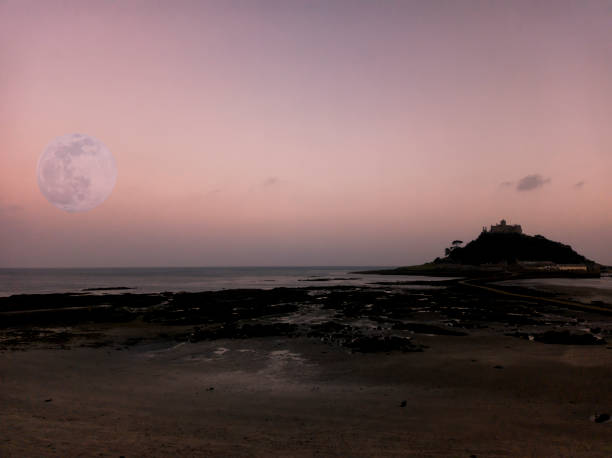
<point x="403" y="404"/>
<point x="331" y="331"/>
<point x="372" y="344"/>
<point x="601" y="417"/>
<point x="567" y="338"/>
<point x="267" y="330"/>
<point x="561" y="338"/>
<point x="423" y="328"/>
<point x="132" y="341"/>
<point x="233" y="331"/>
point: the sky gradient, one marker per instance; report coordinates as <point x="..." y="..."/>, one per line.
<point x="307" y="133"/>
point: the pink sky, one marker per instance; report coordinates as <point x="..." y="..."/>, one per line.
<point x="306" y="133"/>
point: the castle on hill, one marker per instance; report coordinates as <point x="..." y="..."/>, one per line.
<point x="503" y="228"/>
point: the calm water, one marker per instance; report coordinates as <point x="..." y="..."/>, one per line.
<point x="151" y="280"/>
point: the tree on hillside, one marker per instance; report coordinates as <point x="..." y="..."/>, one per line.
<point x="454" y="245"/>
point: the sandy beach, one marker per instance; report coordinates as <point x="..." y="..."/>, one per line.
<point x="138" y="388"/>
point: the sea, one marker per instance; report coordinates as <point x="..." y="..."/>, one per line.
<point x="194" y="279"/>
<point x="188" y="279"/>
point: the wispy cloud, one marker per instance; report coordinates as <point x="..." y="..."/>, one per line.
<point x="270" y="181"/>
<point x="531" y="182"/>
<point x="579" y="185"/>
<point x="506" y="184"/>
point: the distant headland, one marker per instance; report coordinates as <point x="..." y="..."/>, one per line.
<point x="505" y="248"/>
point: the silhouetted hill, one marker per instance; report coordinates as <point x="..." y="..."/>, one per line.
<point x="495" y="253"/>
<point x="492" y="248"/>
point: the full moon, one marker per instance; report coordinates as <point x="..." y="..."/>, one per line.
<point x="76" y="172"/>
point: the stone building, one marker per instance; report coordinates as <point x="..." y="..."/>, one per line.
<point x="503" y="228"/>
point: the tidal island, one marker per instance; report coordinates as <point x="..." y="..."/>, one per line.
<point x="503" y="251"/>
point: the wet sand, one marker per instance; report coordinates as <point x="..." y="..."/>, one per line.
<point x="142" y="388"/>
<point x="565" y="289"/>
<point x="300" y="398"/>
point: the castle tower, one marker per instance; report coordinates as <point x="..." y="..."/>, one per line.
<point x="503" y="228"/>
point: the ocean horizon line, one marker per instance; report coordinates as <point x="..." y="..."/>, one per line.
<point x="295" y="266"/>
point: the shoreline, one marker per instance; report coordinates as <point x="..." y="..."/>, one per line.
<point x="379" y="317"/>
<point x="476" y="271"/>
<point x="382" y="370"/>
